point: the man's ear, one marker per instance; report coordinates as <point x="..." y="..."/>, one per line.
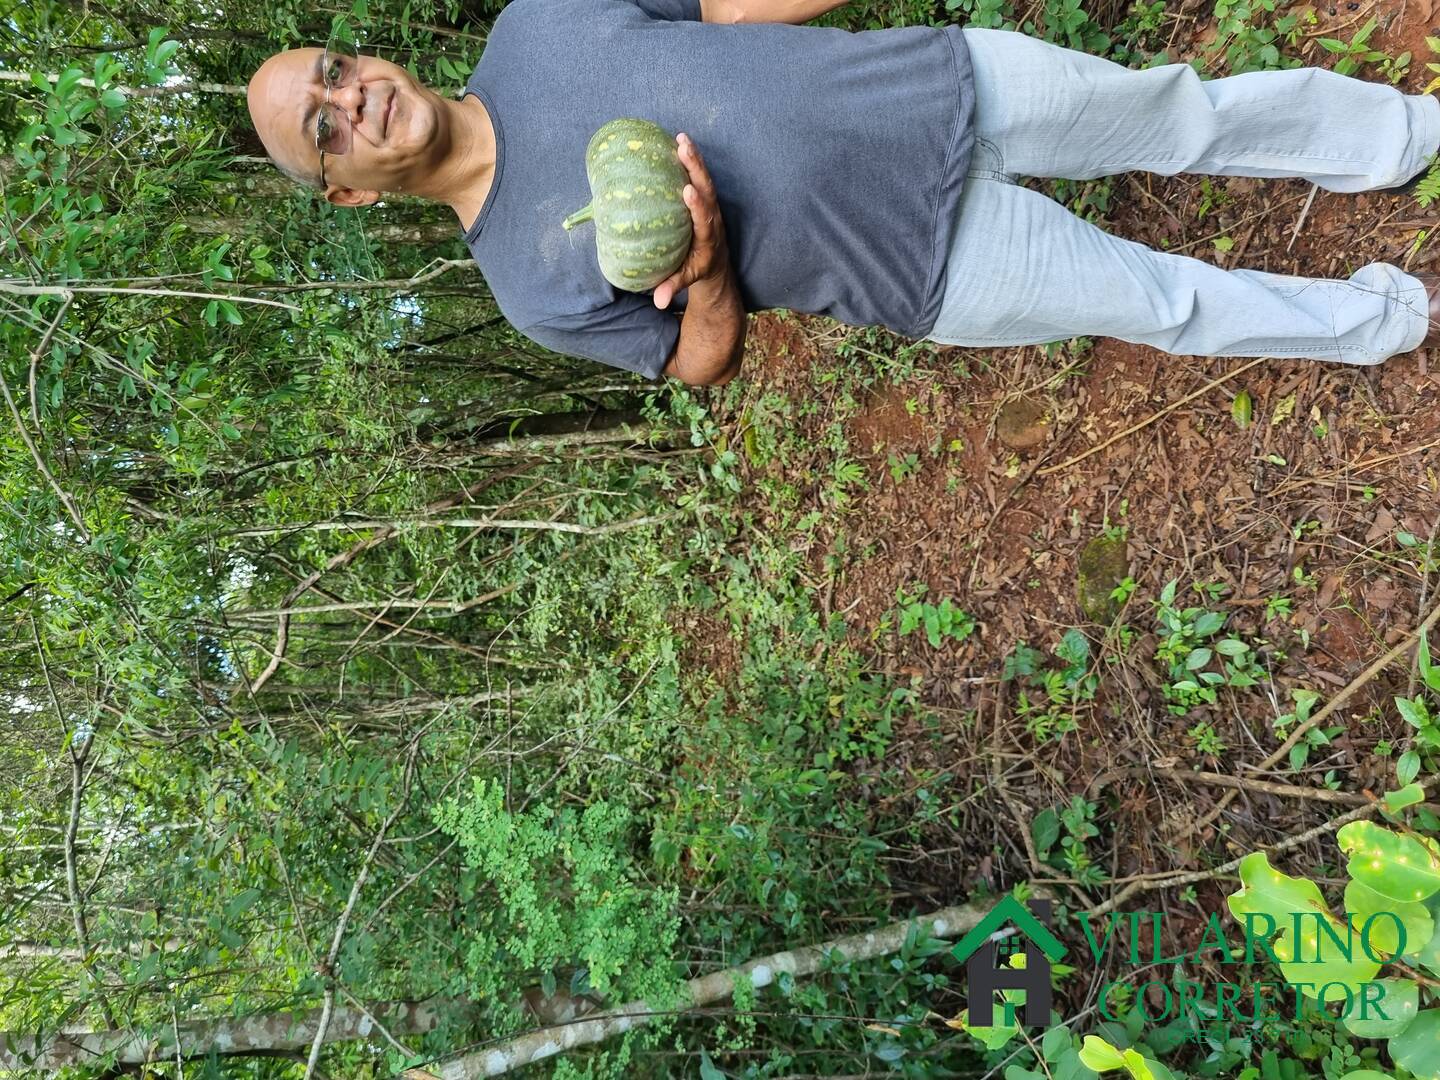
<point x="344" y="196"/>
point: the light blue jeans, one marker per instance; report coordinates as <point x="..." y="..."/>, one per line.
<point x="1022" y="269"/>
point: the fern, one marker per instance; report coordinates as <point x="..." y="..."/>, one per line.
<point x="561" y="895"/>
<point x="1428" y="190"/>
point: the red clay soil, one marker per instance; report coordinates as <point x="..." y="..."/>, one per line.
<point x="1337" y="461"/>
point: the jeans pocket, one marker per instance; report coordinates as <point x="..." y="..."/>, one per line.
<point x="988" y="163"/>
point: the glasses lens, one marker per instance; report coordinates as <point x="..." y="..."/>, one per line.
<point x="332" y="130"/>
<point x="340" y="62"/>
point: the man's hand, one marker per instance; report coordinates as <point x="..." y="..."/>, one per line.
<point x="709" y="255"/>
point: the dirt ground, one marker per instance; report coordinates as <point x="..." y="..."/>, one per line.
<point x="1336" y="462"/>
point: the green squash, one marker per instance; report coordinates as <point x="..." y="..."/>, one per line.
<point x="642" y="225"/>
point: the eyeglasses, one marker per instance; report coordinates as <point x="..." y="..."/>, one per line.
<point x="332" y="126"/>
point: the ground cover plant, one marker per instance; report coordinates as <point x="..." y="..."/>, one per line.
<point x="382" y="692"/>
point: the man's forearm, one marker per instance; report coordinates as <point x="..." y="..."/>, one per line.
<point x="779" y="11"/>
<point x="712" y="333"/>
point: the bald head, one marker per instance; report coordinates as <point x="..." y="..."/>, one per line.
<point x="399" y="131"/>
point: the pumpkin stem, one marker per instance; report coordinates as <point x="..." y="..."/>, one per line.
<point x="580" y="216"/>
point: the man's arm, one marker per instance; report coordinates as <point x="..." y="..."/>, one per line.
<point x="712" y="334"/>
<point x="712" y="330"/>
<point x="765" y="11"/>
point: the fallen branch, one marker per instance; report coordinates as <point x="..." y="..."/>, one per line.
<point x="18" y="288"/>
<point x="1146" y="423"/>
<point x="464" y="523"/>
<point x="263" y="1033"/>
<point x="1329" y="710"/>
<point x="1267" y="787"/>
<point x="1145" y="882"/>
<point x="138" y="91"/>
<point x="799" y="963"/>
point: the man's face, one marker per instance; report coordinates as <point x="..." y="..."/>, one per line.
<point x="397" y="126"/>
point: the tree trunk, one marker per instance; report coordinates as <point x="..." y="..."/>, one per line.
<point x="261" y="1033"/>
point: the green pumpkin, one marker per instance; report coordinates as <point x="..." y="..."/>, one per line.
<point x="642" y="225"/>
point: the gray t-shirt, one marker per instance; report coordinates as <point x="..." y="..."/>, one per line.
<point x="837" y="157"/>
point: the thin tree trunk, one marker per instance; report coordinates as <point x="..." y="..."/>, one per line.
<point x="263" y="1033"/>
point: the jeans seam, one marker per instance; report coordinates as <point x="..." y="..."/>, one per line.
<point x="1277" y="351"/>
<point x="1254" y="150"/>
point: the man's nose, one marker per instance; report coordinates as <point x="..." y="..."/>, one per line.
<point x="350" y="98"/>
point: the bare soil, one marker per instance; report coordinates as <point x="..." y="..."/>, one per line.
<point x="1337" y="460"/>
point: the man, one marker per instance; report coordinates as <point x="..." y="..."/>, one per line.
<point x="865" y="176"/>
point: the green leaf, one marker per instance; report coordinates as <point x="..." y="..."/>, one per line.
<point x="1400" y="867"/>
<point x="112" y="99"/>
<point x="1427" y="954"/>
<point x="993" y="1036"/>
<point x="708" y="1071"/>
<point x="1055" y="1042"/>
<point x="1242" y="409"/>
<point x="1409" y="795"/>
<point x="1363" y="902"/>
<point x="1209" y="623"/>
<point x="1097" y="1054"/>
<point x="1045" y="829"/>
<point x="1417" y="1048"/>
<point x="1400" y="1002"/>
<point x="1428" y="672"/>
<point x="241" y="903"/>
<point x="1413" y="712"/>
<point x="1266" y="890"/>
<point x="1407" y="767"/>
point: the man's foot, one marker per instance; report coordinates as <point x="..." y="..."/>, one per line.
<point x="1432" y="291"/>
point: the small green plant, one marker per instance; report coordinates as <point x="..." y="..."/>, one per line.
<point x="1189" y="653"/>
<point x="1394" y="891"/>
<point x="1315" y="738"/>
<point x="1355" y="52"/>
<point x="1420" y="715"/>
<point x="903" y="466"/>
<point x="1051" y="712"/>
<point x="1077" y="819"/>
<point x="941" y="621"/>
<point x="1067" y="23"/>
<point x="992" y="14"/>
<point x="1278" y="607"/>
<point x="1207" y="740"/>
<point x="1139" y="27"/>
<point x="1248" y="44"/>
<point x="1122" y="592"/>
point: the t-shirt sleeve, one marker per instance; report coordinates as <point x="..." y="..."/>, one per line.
<point x="670" y="10"/>
<point x="630" y="333"/>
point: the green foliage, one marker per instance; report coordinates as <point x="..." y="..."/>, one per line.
<point x="1355" y="52"/>
<point x="940" y="621"/>
<point x="1391" y="904"/>
<point x="1077" y="817"/>
<point x="1245" y="40"/>
<point x="560" y="893"/>
<point x="1188" y="648"/>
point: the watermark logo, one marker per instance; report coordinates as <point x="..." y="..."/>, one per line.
<point x="987" y="971"/>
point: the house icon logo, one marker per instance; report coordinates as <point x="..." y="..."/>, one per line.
<point x="986" y="970"/>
